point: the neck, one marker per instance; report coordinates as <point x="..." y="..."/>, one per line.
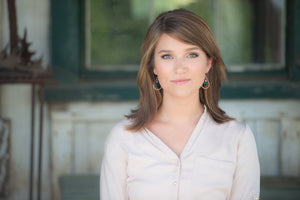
<point x="185" y="110"/>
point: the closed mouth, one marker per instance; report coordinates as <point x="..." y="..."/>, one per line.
<point x="180" y="81"/>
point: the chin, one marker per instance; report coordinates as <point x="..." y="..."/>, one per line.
<point x="183" y="94"/>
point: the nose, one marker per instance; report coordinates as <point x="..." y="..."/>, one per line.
<point x="180" y="66"/>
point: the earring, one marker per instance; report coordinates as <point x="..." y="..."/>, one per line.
<point x="206" y="83"/>
<point x="156" y="85"/>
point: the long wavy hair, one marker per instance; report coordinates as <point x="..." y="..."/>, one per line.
<point x="189" y="28"/>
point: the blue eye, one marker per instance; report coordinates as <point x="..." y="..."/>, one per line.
<point x="192" y="55"/>
<point x="167" y="56"/>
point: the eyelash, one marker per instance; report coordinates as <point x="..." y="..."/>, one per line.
<point x="168" y="56"/>
<point x="193" y="55"/>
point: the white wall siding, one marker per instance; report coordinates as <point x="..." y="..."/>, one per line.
<point x="290" y="137"/>
<point x="16" y="106"/>
<point x="267" y="134"/>
<point x="276" y="127"/>
<point x="79" y="132"/>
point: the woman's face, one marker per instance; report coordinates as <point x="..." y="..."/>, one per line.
<point x="180" y="67"/>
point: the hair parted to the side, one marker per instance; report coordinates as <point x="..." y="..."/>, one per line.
<point x="189" y="28"/>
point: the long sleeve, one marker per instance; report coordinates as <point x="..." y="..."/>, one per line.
<point x="113" y="170"/>
<point x="246" y="182"/>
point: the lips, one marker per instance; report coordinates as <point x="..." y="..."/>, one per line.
<point x="180" y="81"/>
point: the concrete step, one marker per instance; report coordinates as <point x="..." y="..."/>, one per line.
<point x="86" y="187"/>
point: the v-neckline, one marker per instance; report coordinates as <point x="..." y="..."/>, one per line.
<point x="195" y="133"/>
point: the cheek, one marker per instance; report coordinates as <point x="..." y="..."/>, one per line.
<point x="200" y="78"/>
<point x="157" y="66"/>
<point x="199" y="74"/>
<point x="162" y="74"/>
<point x="162" y="69"/>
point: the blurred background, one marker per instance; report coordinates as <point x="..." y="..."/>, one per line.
<point x="73" y="67"/>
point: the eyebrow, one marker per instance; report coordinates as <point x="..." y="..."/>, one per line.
<point x="188" y="49"/>
<point x="164" y="51"/>
<point x="193" y="48"/>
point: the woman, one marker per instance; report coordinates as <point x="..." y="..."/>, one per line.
<point x="178" y="143"/>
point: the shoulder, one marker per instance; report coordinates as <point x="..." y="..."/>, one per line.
<point x="232" y="129"/>
<point x="119" y="132"/>
<point x="117" y="139"/>
<point x="232" y="126"/>
<point x="235" y="126"/>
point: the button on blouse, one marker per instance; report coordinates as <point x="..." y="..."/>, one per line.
<point x="218" y="162"/>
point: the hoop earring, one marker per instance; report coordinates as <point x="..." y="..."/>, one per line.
<point x="156" y="85"/>
<point x="206" y="83"/>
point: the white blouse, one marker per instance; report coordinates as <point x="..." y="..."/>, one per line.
<point x="218" y="162"/>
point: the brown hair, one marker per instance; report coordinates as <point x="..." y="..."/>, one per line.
<point x="192" y="29"/>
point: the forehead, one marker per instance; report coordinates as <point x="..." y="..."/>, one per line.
<point x="168" y="42"/>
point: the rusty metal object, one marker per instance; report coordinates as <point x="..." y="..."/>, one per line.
<point x="41" y="97"/>
<point x="20" y="58"/>
<point x="31" y="175"/>
<point x="13" y="31"/>
<point x="14" y="77"/>
<point x="17" y="66"/>
<point x="4" y="157"/>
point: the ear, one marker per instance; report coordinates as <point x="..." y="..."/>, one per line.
<point x="209" y="64"/>
<point x="154" y="71"/>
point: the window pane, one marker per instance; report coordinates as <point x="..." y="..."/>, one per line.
<point x="250" y="33"/>
<point x="115" y="34"/>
